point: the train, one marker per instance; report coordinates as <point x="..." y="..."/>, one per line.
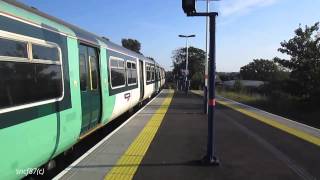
<point x="59" y="83"/>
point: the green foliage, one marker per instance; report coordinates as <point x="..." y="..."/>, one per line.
<point x="261" y="70"/>
<point x="197" y="80"/>
<point x="227" y="76"/>
<point x="293" y="85"/>
<point x="238" y="86"/>
<point x="169" y="76"/>
<point x="243" y="96"/>
<point x="196" y="64"/>
<point x="304" y="62"/>
<point x="299" y="75"/>
<point x="132" y="44"/>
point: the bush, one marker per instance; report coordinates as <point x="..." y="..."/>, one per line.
<point x="238" y="86"/>
<point x="197" y="81"/>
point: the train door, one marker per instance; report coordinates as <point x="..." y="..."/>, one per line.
<point x="141" y="74"/>
<point x="90" y="87"/>
<point x="156" y="78"/>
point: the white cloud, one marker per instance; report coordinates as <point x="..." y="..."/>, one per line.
<point x="236" y="7"/>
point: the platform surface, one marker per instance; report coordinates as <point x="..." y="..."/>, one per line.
<point x="168" y="138"/>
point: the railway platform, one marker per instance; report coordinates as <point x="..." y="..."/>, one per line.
<point x="167" y="140"/>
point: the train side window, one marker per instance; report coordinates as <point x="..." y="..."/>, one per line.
<point x="94" y="72"/>
<point x="30" y="82"/>
<point x="157" y="73"/>
<point x="131" y="73"/>
<point x="45" y="53"/>
<point x="148" y="72"/>
<point x="162" y="74"/>
<point x="148" y="75"/>
<point x="12" y="48"/>
<point x="117" y="73"/>
<point x="152" y="73"/>
<point x="129" y="65"/>
<point x="83" y="72"/>
<point x="93" y="68"/>
<point x="134" y="73"/>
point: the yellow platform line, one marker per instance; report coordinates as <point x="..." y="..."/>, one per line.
<point x="127" y="165"/>
<point x="298" y="133"/>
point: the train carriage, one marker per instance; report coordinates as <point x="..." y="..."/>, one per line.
<point x="59" y="83"/>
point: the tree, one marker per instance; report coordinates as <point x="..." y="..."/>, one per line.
<point x="227" y="76"/>
<point x="132" y="44"/>
<point x="304" y="62"/>
<point x="169" y="76"/>
<point x="196" y="64"/>
<point x="261" y="70"/>
<point x="197" y="80"/>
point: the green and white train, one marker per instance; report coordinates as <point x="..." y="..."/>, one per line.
<point x="59" y="83"/>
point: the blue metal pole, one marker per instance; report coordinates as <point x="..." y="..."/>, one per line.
<point x="211" y="158"/>
<point x="205" y="89"/>
<point x="205" y="99"/>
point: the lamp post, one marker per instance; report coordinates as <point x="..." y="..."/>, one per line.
<point x="187" y="60"/>
<point x="189" y="7"/>
<point x="205" y="89"/>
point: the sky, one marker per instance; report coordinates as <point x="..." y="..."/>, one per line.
<point x="246" y="29"/>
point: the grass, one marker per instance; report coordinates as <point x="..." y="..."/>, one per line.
<point x="242" y="97"/>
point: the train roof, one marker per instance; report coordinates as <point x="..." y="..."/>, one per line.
<point x="79" y="32"/>
<point x="114" y="46"/>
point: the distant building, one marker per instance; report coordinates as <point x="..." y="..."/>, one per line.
<point x="245" y="83"/>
